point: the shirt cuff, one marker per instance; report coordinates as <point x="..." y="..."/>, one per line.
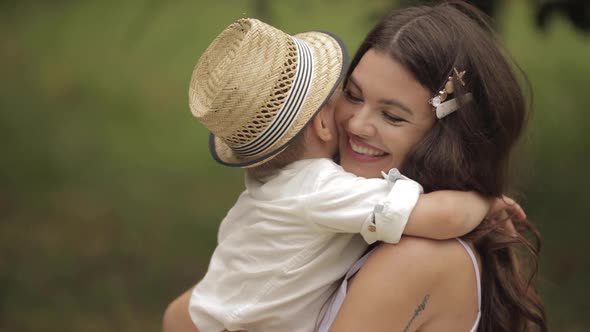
<point x="369" y="230"/>
<point x="391" y="216"/>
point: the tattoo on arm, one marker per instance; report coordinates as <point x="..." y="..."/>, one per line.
<point x="417" y="312"/>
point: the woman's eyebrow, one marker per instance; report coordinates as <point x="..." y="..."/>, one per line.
<point x="398" y="104"/>
<point x="386" y="102"/>
<point x="352" y="81"/>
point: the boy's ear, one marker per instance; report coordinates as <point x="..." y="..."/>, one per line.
<point x="320" y="126"/>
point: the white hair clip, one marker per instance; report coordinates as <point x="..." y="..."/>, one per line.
<point x="443" y="106"/>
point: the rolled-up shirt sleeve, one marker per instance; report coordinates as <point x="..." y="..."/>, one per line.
<point x="378" y="209"/>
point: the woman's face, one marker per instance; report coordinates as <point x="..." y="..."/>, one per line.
<point x="382" y="114"/>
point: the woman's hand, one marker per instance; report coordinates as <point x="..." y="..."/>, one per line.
<point x="505" y="211"/>
<point x="176" y="317"/>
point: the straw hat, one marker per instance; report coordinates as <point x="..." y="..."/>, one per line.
<point x="255" y="87"/>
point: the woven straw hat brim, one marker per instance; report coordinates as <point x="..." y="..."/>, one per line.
<point x="330" y="64"/>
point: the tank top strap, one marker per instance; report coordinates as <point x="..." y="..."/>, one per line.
<point x="478" y="280"/>
<point x="358" y="264"/>
<point x="330" y="310"/>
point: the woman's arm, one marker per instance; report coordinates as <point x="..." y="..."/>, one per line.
<point x="416" y="284"/>
<point x="176" y="317"/>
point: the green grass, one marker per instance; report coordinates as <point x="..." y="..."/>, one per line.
<point x="109" y="200"/>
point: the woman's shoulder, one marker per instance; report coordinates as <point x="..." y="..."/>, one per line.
<point x="444" y="256"/>
<point x="431" y="271"/>
<point x="423" y="264"/>
<point x="411" y="284"/>
<point x="419" y="263"/>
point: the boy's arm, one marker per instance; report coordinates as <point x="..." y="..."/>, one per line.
<point x="447" y="214"/>
<point x="177" y="319"/>
<point x="378" y="209"/>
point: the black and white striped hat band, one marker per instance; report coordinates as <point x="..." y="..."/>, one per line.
<point x="288" y="112"/>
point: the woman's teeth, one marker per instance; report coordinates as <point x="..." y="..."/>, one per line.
<point x="365" y="150"/>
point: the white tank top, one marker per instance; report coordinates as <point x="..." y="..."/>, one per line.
<point x="328" y="314"/>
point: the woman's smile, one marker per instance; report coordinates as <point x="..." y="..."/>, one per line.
<point x="362" y="149"/>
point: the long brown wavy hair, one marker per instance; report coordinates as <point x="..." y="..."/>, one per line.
<point x="470" y="149"/>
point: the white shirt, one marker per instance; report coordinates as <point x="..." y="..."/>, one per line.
<point x="287" y="241"/>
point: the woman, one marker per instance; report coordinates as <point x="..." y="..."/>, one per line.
<point x="386" y="120"/>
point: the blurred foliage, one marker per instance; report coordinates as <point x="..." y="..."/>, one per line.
<point x="109" y="200"/>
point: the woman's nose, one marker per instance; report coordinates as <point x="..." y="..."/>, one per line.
<point x="361" y="123"/>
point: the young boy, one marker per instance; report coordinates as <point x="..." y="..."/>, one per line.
<point x="292" y="234"/>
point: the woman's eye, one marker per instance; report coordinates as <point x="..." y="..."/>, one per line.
<point x="349" y="96"/>
<point x="392" y="118"/>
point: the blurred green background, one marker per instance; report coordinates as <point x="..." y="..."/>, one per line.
<point x="109" y="200"/>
